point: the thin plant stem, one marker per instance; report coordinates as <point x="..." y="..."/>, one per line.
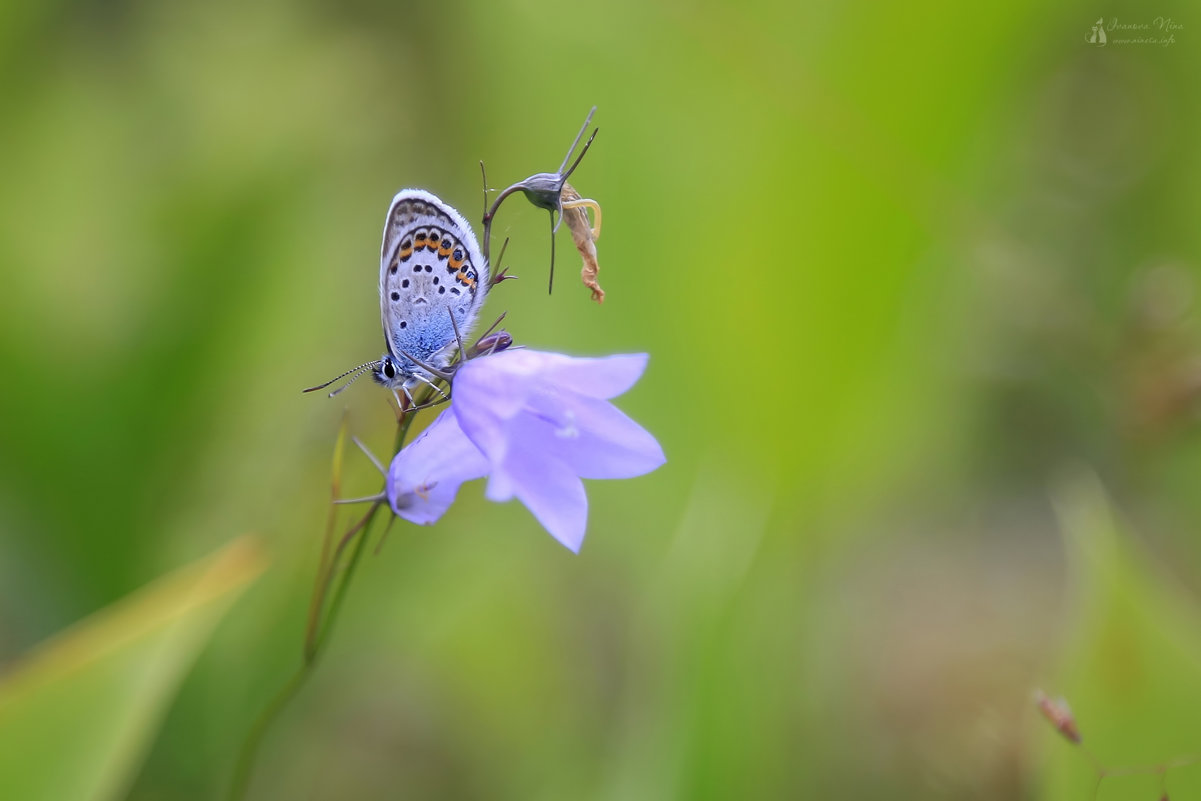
<point x="320" y="626"/>
<point x="258" y="730"/>
<point x="325" y="565"/>
<point x="490" y="215"/>
<point x="254" y="738"/>
<point x="339" y="596"/>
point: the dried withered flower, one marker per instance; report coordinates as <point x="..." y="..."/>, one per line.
<point x="584" y="235"/>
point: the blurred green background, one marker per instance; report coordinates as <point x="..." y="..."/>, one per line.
<point x="918" y="284"/>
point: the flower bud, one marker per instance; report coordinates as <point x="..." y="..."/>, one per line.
<point x="544" y="189"/>
<point x="493" y="343"/>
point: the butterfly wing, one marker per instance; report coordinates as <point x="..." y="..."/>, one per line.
<point x="430" y="267"/>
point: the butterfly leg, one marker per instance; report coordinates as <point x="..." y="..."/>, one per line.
<point x="426" y="381"/>
<point x="444" y="375"/>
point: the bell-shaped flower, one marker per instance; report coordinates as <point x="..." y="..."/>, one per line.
<point x="543" y="421"/>
<point x="536" y="424"/>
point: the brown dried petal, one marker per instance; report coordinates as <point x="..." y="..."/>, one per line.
<point x="584" y="237"/>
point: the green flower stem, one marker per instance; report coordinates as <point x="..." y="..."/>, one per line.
<point x="335" y="603"/>
<point x="254" y="738"/>
<point x="322" y="616"/>
<point x="317" y="624"/>
<point x="324" y="566"/>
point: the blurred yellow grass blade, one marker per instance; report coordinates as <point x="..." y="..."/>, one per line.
<point x="78" y="713"/>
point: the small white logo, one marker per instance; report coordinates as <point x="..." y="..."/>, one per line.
<point x="1160" y="31"/>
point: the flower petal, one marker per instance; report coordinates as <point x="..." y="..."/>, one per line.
<point x="595" y="439"/>
<point x="511" y="375"/>
<point x="425" y="476"/>
<point x="549" y="490"/>
<point x="605" y="377"/>
<point x="498" y="383"/>
<point x="542" y="422"/>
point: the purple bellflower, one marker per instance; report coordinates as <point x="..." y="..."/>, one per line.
<point x="425" y="476"/>
<point x="535" y="423"/>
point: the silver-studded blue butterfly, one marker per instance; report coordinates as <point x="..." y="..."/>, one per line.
<point x="430" y="268"/>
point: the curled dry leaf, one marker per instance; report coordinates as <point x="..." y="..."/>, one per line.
<point x="575" y="214"/>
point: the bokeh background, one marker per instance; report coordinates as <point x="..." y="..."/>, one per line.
<point x="918" y="282"/>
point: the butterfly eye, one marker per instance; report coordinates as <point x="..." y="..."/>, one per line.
<point x="389" y="371"/>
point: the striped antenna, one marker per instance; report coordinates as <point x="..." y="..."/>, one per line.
<point x="358" y="371"/>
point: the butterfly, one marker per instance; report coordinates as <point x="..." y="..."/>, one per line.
<point x="433" y="279"/>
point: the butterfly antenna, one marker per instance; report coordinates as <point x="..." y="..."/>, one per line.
<point x="342" y="388"/>
<point x="357" y="370"/>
